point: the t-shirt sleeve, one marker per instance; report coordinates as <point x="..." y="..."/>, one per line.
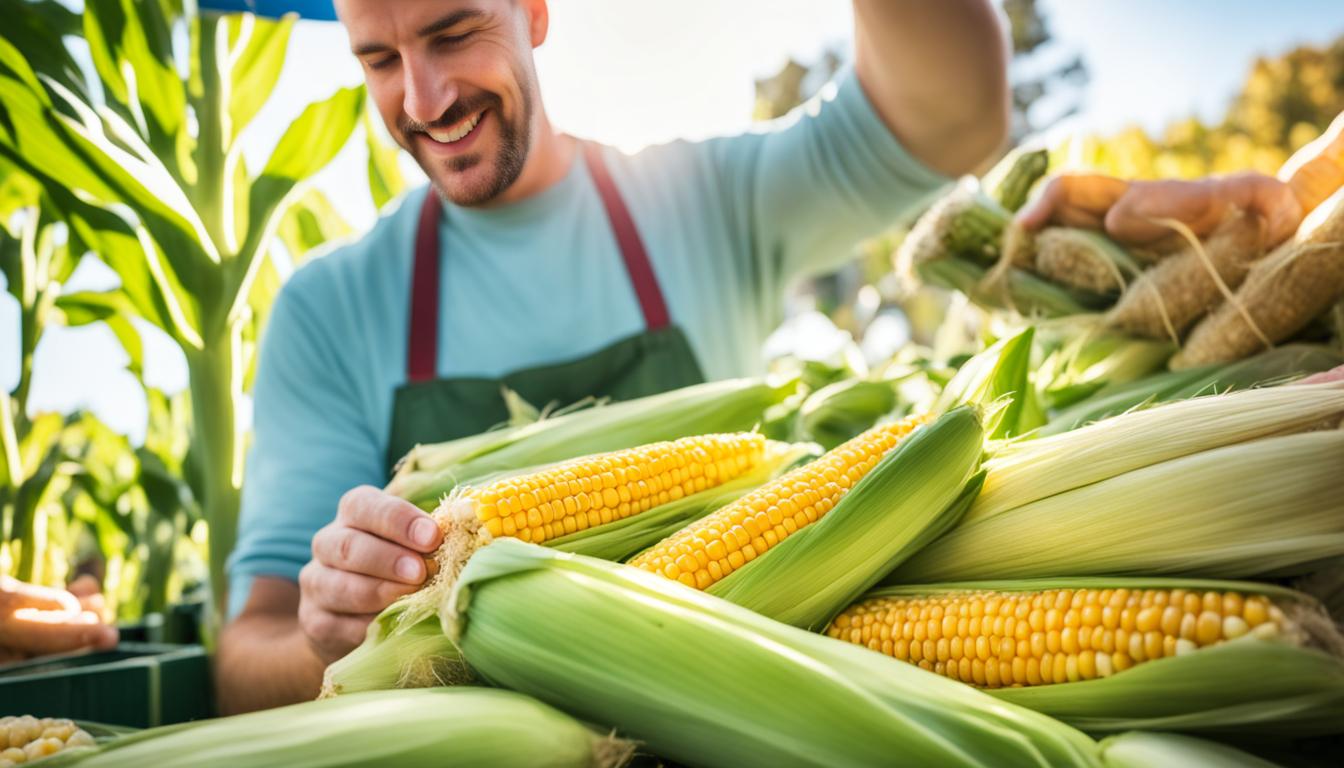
<point x="811" y="185"/>
<point x="311" y="441"/>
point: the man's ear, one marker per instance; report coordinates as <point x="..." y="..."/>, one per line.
<point x="539" y="21"/>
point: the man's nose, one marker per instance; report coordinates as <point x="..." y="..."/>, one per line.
<point x="428" y="91"/>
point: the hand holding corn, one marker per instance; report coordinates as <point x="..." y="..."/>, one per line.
<point x="370" y="555"/>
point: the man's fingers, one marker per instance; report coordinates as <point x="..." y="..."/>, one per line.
<point x="1075" y="200"/>
<point x="389" y="517"/>
<point x="37" y="632"/>
<point x="340" y="592"/>
<point x="84" y="586"/>
<point x="350" y="549"/>
<point x="24" y="595"/>
<point x="332" y="635"/>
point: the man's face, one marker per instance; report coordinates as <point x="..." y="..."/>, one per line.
<point x="455" y="83"/>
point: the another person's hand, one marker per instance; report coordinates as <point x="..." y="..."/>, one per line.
<point x="37" y="621"/>
<point x="370" y="555"/>
<point x="1132" y="212"/>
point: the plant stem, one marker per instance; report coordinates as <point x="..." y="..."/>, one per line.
<point x="215" y="374"/>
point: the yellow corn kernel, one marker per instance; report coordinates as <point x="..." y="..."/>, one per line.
<point x="595" y="490"/>
<point x="777" y="509"/>
<point x="1096" y="633"/>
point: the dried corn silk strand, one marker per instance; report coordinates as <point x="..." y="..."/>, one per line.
<point x="1166" y="299"/>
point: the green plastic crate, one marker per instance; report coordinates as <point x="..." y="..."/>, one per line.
<point x="136" y="684"/>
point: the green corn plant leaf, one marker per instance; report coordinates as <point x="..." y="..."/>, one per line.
<point x="258" y="48"/>
<point x="311" y="221"/>
<point x="311" y="142"/>
<point x="113" y="308"/>
<point x="385" y="179"/>
<point x="130" y="43"/>
<point x="37" y="28"/>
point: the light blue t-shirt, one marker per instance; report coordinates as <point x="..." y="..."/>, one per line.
<point x="729" y="224"/>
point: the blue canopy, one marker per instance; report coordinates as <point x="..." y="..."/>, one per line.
<point x="308" y="9"/>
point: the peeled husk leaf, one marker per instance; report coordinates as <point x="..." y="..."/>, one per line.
<point x="1139" y="749"/>
<point x="1269" y="506"/>
<point x="704" y="682"/>
<point x="1032" y="470"/>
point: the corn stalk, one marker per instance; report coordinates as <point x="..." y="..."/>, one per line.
<point x="167" y="202"/>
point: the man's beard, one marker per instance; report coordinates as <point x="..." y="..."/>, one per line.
<point x="515" y="141"/>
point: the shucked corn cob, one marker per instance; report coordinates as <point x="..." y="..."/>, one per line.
<point x="610" y="505"/>
<point x="715" y="546"/>
<point x="993" y="638"/>
<point x="1114" y="653"/>
<point x="27" y="738"/>
<point x="594" y="490"/>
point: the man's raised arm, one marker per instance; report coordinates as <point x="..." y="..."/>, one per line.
<point x="936" y="73"/>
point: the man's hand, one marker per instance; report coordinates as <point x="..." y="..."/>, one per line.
<point x="36" y="621"/>
<point x="369" y="556"/>
<point x="1133" y="212"/>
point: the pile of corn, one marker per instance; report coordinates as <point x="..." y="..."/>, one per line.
<point x="27" y="738"/>
<point x="942" y="589"/>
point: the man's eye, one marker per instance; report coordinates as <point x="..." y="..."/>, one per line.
<point x="449" y="40"/>
<point x="383" y="63"/>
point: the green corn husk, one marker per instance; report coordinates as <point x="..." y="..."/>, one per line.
<point x="430" y="471"/>
<point x="964" y="223"/>
<point x="707" y="683"/>
<point x="1283" y="685"/>
<point x="1011" y="179"/>
<point x="837" y="412"/>
<point x="1166" y="750"/>
<point x="1083" y="365"/>
<point x="1030" y="471"/>
<point x="817" y="571"/>
<point x="403" y="647"/>
<point x="460" y="727"/>
<point x="1016" y="289"/>
<point x="1276" y="365"/>
<point x="999" y="380"/>
<point x="1270" y="506"/>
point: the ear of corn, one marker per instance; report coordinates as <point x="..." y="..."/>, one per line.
<point x="1084" y="259"/>
<point x="1032" y="470"/>
<point x="839" y="411"/>
<point x="461" y="727"/>
<point x="704" y="682"/>
<point x="1140" y="749"/>
<point x="26" y="738"/>
<point x="964" y="223"/>
<point x="1283" y="363"/>
<point x="1107" y="654"/>
<point x="1085" y="364"/>
<point x="1269" y="506"/>
<point x="1011" y="179"/>
<point x="626" y="500"/>
<point x="430" y="471"/>
<point x="1016" y="289"/>
<point x="816" y="571"/>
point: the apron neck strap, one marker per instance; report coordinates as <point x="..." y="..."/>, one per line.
<point x="423" y="335"/>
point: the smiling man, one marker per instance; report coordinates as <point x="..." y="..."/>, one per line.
<point x="555" y="267"/>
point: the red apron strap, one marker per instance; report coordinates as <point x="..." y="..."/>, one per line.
<point x="422" y="347"/>
<point x="627" y="238"/>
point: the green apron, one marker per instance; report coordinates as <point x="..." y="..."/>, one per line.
<point x="427" y="409"/>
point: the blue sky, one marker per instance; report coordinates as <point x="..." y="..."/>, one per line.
<point x="632" y="74"/>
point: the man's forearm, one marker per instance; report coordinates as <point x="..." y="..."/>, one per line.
<point x="265" y="661"/>
<point x="936" y="73"/>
